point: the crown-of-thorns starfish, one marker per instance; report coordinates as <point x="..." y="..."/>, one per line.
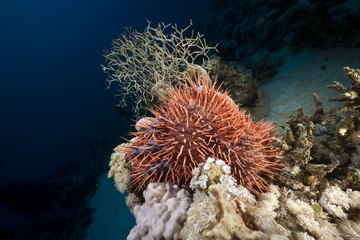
<point x="200" y="121"/>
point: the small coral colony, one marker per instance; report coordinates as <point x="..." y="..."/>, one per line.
<point x="199" y="167"/>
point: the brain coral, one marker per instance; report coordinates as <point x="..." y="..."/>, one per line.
<point x="197" y="122"/>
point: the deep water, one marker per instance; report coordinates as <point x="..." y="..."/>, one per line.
<point x="58" y="121"/>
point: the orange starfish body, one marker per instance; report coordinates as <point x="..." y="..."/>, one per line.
<point x="200" y="121"/>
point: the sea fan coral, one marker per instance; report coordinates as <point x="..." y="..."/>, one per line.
<point x="197" y="122"/>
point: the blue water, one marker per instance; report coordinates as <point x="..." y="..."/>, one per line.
<point x="58" y="121"/>
<point x="54" y="105"/>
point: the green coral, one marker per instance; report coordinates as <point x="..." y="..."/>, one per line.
<point x="317" y="209"/>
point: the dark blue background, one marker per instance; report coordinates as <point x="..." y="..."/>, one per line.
<point x="53" y="95"/>
<point x="52" y="87"/>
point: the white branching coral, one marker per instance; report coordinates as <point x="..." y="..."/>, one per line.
<point x="147" y="65"/>
<point x="354" y="198"/>
<point x="335" y="201"/>
<point x="264" y="213"/>
<point x="338" y="204"/>
<point x="307" y="219"/>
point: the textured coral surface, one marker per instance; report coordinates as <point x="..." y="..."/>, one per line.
<point x="162" y="214"/>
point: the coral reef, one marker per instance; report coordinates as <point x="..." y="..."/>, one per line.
<point x="162" y="214"/>
<point x="118" y="169"/>
<point x="316" y="196"/>
<point x="147" y="65"/>
<point x="255" y="32"/>
<point x="348" y="94"/>
<point x="281" y="213"/>
<point x="238" y="80"/>
<point x="323" y="149"/>
<point x="321" y="154"/>
<point x="218" y="205"/>
<point x="200" y="121"/>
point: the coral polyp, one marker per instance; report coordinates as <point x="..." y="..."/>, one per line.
<point x="200" y="121"/>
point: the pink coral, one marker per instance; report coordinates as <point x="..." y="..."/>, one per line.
<point x="163" y="213"/>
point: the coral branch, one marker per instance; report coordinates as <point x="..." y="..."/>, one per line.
<point x="147" y="65"/>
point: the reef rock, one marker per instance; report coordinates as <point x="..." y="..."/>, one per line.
<point x="218" y="206"/>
